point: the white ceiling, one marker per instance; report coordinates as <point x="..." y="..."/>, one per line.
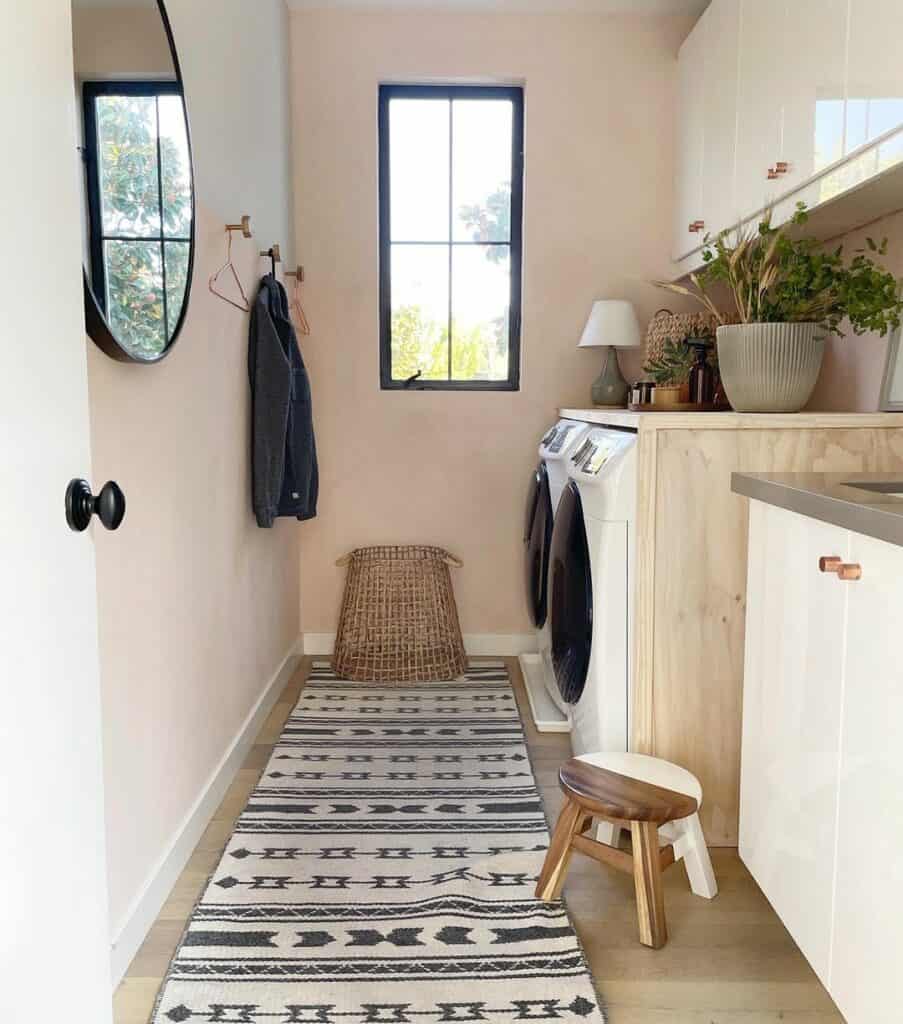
<point x="691" y="7"/>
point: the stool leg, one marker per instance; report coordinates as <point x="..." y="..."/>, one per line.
<point x="647" y="877"/>
<point x="608" y="832"/>
<point x="571" y="821"/>
<point x="691" y="848"/>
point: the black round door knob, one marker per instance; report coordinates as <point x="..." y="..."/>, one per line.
<point x="81" y="504"/>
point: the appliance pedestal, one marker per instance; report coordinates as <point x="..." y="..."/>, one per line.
<point x="546" y="715"/>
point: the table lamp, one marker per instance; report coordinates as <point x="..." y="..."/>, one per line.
<point x="612" y="324"/>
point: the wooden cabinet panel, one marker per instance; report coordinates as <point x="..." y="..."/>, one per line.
<point x="868" y="929"/>
<point x="791" y="721"/>
<point x="691" y="581"/>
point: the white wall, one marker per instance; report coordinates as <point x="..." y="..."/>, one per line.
<point x="198" y="608"/>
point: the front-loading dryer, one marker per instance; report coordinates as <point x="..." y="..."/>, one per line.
<point x="590" y="590"/>
<point x="546" y="486"/>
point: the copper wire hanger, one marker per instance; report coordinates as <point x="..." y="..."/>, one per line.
<point x="245" y="228"/>
<point x="298" y="275"/>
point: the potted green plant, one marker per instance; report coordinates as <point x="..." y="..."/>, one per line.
<point x="790" y="293"/>
<point x="670" y="371"/>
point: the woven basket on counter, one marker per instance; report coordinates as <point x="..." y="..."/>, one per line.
<point x="399" y="620"/>
<point x="677" y="327"/>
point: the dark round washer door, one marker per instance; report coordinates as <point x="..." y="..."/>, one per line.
<point x="571" y="597"/>
<point x="537" y="545"/>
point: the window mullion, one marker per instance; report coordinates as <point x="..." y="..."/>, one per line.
<point x="160" y="213"/>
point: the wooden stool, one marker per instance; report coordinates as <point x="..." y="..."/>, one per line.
<point x="657" y="801"/>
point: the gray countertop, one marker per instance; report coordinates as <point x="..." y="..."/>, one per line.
<point x="862" y="502"/>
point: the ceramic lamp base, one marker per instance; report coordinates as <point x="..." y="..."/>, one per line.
<point x="610" y="388"/>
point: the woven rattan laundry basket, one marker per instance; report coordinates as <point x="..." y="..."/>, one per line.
<point x="399" y="621"/>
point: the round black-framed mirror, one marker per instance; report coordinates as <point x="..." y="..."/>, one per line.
<point x="137" y="178"/>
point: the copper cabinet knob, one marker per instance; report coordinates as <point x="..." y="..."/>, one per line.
<point x="849" y="571"/>
<point x="829" y="563"/>
<point x="781" y="167"/>
<point x="772" y="174"/>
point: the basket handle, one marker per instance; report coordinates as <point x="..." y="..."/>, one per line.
<point x="344" y="560"/>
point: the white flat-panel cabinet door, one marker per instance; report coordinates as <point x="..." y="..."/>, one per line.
<point x="875" y="73"/>
<point x="868" y="928"/>
<point x="720" y="129"/>
<point x="813" y="70"/>
<point x="791" y="721"/>
<point x="688" y="206"/>
<point x="760" y="93"/>
<point x="54" y="943"/>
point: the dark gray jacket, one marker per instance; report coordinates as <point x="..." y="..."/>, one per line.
<point x="283" y="450"/>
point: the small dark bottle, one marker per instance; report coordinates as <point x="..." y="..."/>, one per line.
<point x="702" y="374"/>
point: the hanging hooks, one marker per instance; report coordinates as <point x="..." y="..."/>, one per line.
<point x="298" y="275"/>
<point x="274" y="254"/>
<point x="245" y="228"/>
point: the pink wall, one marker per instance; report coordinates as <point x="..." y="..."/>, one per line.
<point x="853" y="368"/>
<point x="197" y="607"/>
<point x="448" y="468"/>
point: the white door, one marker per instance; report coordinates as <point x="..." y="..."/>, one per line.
<point x="791" y="721"/>
<point x="54" y="949"/>
<point x="868" y="943"/>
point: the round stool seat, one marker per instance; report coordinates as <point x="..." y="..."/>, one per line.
<point x="611" y="789"/>
<point x="648" y="769"/>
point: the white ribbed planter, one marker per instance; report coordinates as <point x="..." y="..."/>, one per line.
<point x="769" y="367"/>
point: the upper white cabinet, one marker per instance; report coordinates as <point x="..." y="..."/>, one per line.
<point x="722" y="33"/>
<point x="784" y="100"/>
<point x="688" y="213"/>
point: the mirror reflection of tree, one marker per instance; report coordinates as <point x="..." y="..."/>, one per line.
<point x="131" y="205"/>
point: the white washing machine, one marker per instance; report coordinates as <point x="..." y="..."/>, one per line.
<point x="546" y="486"/>
<point x="591" y="590"/>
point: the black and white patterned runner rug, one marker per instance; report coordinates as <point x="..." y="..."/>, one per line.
<point x="383" y="872"/>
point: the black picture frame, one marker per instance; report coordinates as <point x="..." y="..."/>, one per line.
<point x="98" y="327"/>
<point x="516" y="95"/>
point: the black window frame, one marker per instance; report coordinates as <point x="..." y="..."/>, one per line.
<point x="515" y="245"/>
<point x="91" y="90"/>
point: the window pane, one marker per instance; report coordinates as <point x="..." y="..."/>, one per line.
<point x="481" y="287"/>
<point x="176" y="256"/>
<point x="174" y="161"/>
<point x="481" y="183"/>
<point x="420" y="311"/>
<point x="127" y="157"/>
<point x="419" y="170"/>
<point x="134" y="273"/>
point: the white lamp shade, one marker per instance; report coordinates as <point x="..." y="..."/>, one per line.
<point x="611" y="322"/>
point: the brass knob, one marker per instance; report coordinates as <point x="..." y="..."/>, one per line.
<point x="691" y="227"/>
<point x="829" y="563"/>
<point x="849" y="571"/>
<point x="772" y="174"/>
<point x="781" y="167"/>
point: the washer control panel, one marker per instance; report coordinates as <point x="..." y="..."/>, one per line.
<point x="600" y="448"/>
<point x="561" y="438"/>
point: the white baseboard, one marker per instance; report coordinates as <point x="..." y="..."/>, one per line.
<point x="131" y="931"/>
<point x="478" y="645"/>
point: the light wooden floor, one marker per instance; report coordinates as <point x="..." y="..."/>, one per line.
<point x="730" y="961"/>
